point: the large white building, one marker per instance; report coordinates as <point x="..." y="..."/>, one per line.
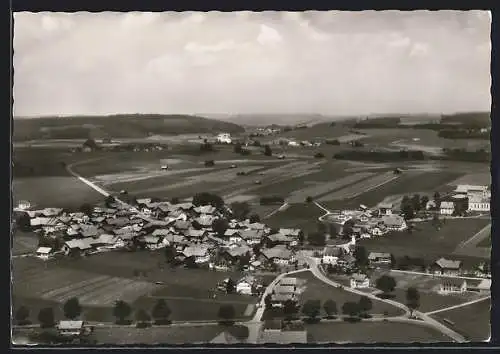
<point x="224" y="138"/>
<point x="479" y="196"/>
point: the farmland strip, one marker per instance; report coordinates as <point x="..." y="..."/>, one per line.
<point x="115" y="286"/>
<point x="359" y="188"/>
<point x="63" y="294"/>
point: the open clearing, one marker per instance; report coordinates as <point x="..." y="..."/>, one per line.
<point x="472" y="321"/>
<point x="482" y="179"/>
<point x="426" y="285"/>
<point x="318" y="290"/>
<point x="426" y="241"/>
<point x="54" y="191"/>
<point x="303" y="216"/>
<point x="372" y="332"/>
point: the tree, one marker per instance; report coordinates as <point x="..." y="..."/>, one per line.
<point x="385" y="283"/>
<point x="311" y="308"/>
<point x="290" y="309"/>
<point x="206" y="198"/>
<point x="254" y="218"/>
<point x="330" y="308"/>
<point x="423" y="202"/>
<point x="22" y="315"/>
<point x="230" y="286"/>
<point x="121" y="311"/>
<point x="227" y="314"/>
<point x="23" y="221"/>
<point x="408" y="211"/>
<point x="220" y="226"/>
<point x="169" y="253"/>
<point x="309" y="199"/>
<point x="437" y="199"/>
<point x="350" y="309"/>
<point x="412" y="299"/>
<point x="267" y="150"/>
<point x="46" y="317"/>
<point x="72" y="308"/>
<point x="361" y="256"/>
<point x="174" y="200"/>
<point x="319" y="155"/>
<point x="86" y="209"/>
<point x="109" y="201"/>
<point x="415" y="202"/>
<point x="317" y="239"/>
<point x="90" y="143"/>
<point x="404" y="202"/>
<point x="268" y="301"/>
<point x="240" y="210"/>
<point x="142" y="317"/>
<point x="365" y="305"/>
<point x="256" y="250"/>
<point x="301" y="237"/>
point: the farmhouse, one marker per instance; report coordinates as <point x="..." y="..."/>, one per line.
<point x="78" y="246"/>
<point x="378" y="259"/>
<point x="224" y="138"/>
<point x="446" y="267"/>
<point x="479" y="286"/>
<point x="331" y="255"/>
<point x="394" y="222"/>
<point x="199" y="252"/>
<point x="385" y="209"/>
<point x="44" y="253"/>
<point x="70" y="328"/>
<point x="358" y="281"/>
<point x="451" y="285"/>
<point x="479" y="203"/>
<point x="446" y="208"/>
<point x="153" y="242"/>
<point x="278" y="255"/>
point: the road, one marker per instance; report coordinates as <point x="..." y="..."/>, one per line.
<point x="427" y="319"/>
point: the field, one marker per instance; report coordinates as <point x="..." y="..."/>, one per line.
<point x="372" y="332"/>
<point x="23" y="242"/>
<point x="317" y="290"/>
<point x="482" y="179"/>
<point x="54" y="191"/>
<point x="472" y="321"/>
<point x="426" y="241"/>
<point x="303" y="216"/>
<point x="426" y="285"/>
<point x="409" y="183"/>
<point x="157" y="335"/>
<point x="101" y="279"/>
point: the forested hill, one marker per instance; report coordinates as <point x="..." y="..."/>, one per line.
<point x="117" y="126"/>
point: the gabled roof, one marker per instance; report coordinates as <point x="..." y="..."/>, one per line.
<point x="446" y="205"/>
<point x="70" y="324"/>
<point x="276" y="252"/>
<point x="289" y="232"/>
<point x="106" y="239"/>
<point x="150" y="239"/>
<point x="453" y="282"/>
<point x="332" y="251"/>
<point x="182" y="225"/>
<point x="377" y="255"/>
<point x="44" y="250"/>
<point x="231" y="232"/>
<point x="161" y="232"/>
<point x="205" y="209"/>
<point x="195" y="233"/>
<point x="448" y="264"/>
<point x="195" y="251"/>
<point x="359" y="277"/>
<point x="393" y="220"/>
<point x="251" y="234"/>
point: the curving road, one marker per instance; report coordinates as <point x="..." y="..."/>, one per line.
<point x="424" y="317"/>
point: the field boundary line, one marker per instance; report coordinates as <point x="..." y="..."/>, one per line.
<point x="468" y="303"/>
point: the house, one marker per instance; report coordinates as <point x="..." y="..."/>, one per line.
<point x="359" y="281"/>
<point x="195" y="235"/>
<point x="479" y="203"/>
<point x="205" y="209"/>
<point x="379" y="259"/>
<point x="394" y="222"/>
<point x="385" y="209"/>
<point x="446" y="267"/>
<point x="182" y="225"/>
<point x="51" y="212"/>
<point x="278" y="255"/>
<point x="378" y="230"/>
<point x="70" y="328"/>
<point x="473" y="189"/>
<point x="452" y="285"/>
<point x="279" y="238"/>
<point x="153" y="242"/>
<point x="430" y="205"/>
<point x="446" y="208"/>
<point x="251" y="237"/>
<point x="44" y="253"/>
<point x="235" y="238"/>
<point x="481" y="286"/>
<point x="78" y="246"/>
<point x="331" y="255"/>
<point x="245" y="286"/>
<point x="107" y="241"/>
<point x="205" y="220"/>
<point x="224" y="138"/>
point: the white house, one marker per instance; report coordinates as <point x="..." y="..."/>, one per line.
<point x="452" y="285"/>
<point x="479" y="203"/>
<point x="358" y="281"/>
<point x="446" y="208"/>
<point x="70" y="328"/>
<point x="385" y="209"/>
<point x="44" y="253"/>
<point x="224" y="138"/>
<point x="244" y="287"/>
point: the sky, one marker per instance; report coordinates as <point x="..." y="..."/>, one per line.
<point x="326" y="62"/>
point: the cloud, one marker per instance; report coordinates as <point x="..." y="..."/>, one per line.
<point x="243" y="62"/>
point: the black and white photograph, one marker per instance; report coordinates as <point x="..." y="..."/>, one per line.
<point x="251" y="178"/>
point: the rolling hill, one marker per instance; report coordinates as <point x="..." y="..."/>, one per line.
<point x="117" y="126"/>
